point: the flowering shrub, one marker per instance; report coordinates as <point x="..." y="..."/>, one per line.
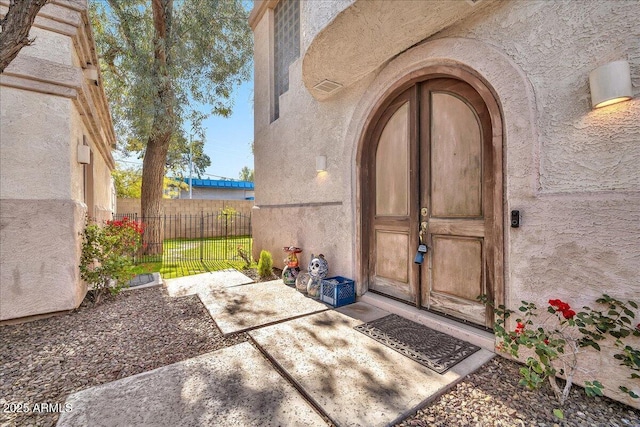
<point x="557" y="338"/>
<point x="107" y="254"/>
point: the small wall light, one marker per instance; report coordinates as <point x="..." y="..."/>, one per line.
<point x="91" y="74"/>
<point x="610" y="84"/>
<point x="84" y="154"/>
<point x="321" y="163"/>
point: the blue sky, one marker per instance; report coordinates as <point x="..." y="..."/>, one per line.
<point x="228" y="140"/>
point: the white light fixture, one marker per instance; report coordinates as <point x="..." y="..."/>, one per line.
<point x="321" y="163"/>
<point x="610" y="84"/>
<point x="84" y="154"/>
<point x="91" y="73"/>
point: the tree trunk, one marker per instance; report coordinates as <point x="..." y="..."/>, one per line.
<point x="151" y="197"/>
<point x="155" y="156"/>
<point x="15" y="28"/>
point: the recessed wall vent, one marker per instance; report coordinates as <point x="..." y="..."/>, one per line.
<point x="327" y="86"/>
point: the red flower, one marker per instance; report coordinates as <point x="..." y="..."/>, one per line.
<point x="638" y="326"/>
<point x="559" y="305"/>
<point x="519" y="328"/>
<point x="546" y="341"/>
<point x="568" y="314"/>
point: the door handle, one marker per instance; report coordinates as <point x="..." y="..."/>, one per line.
<point x="423" y="230"/>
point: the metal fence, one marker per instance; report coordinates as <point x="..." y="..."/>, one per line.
<point x="197" y="243"/>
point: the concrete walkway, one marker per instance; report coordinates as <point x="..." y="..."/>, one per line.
<point x="306" y="365"/>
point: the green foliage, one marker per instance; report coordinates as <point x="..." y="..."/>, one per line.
<point x="107" y="255"/>
<point x="128" y="182"/>
<point x="208" y="46"/>
<point x="556" y="340"/>
<point x="246" y="174"/>
<point x="265" y="264"/>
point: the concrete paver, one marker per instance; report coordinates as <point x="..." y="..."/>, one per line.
<point x="353" y="378"/>
<point x="362" y="311"/>
<point x="241" y="308"/>
<point x="202" y="283"/>
<point x="234" y="386"/>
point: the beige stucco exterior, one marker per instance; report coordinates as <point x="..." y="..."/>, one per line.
<point x="570" y="170"/>
<point x="49" y="104"/>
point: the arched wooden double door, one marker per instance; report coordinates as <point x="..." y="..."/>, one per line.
<point x="432" y="179"/>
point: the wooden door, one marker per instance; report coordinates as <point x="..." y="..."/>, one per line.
<point x="456" y="199"/>
<point x="432" y="170"/>
<point x="394" y="203"/>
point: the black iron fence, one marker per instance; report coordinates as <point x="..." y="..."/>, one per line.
<point x="197" y="243"/>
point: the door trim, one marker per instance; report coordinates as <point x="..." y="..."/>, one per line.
<point x="495" y="269"/>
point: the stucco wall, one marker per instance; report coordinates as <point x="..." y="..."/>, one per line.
<point x="46" y="106"/>
<point x="40" y="252"/>
<point x="571" y="171"/>
<point x="34" y="154"/>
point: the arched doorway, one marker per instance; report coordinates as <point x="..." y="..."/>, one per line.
<point x="432" y="175"/>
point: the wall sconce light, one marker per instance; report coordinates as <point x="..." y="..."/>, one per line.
<point x="321" y="163"/>
<point x="84" y="154"/>
<point x="610" y="84"/>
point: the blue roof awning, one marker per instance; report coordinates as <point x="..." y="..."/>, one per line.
<point x="219" y="183"/>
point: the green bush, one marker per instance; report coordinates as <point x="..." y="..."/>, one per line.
<point x="265" y="264"/>
<point x="107" y="255"/>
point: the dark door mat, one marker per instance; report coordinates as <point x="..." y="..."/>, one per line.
<point x="435" y="350"/>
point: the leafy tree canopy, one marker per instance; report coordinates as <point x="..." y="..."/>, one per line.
<point x="246" y="174"/>
<point x="128" y="183"/>
<point x="208" y="49"/>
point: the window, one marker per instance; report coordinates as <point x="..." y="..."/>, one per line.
<point x="286" y="40"/>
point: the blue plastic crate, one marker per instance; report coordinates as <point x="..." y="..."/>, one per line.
<point x="338" y="291"/>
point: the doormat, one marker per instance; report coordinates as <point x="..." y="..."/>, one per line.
<point x="435" y="350"/>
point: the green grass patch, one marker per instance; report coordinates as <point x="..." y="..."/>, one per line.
<point x="184" y="257"/>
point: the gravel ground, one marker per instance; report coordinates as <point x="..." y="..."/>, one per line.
<point x="139" y="330"/>
<point x="492" y="397"/>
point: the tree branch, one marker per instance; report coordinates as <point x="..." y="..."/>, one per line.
<point x="15" y="28"/>
<point x="124" y="24"/>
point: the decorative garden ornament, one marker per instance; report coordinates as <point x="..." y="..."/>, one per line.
<point x="318" y="270"/>
<point x="291" y="269"/>
<point x="301" y="282"/>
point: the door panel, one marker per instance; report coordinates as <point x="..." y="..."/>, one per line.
<point x="392" y="165"/>
<point x="393" y="264"/>
<point x="392" y="255"/>
<point x="457" y="266"/>
<point x="456" y="154"/>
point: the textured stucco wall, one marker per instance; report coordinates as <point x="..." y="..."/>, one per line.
<point x="42" y="213"/>
<point x="570" y="170"/>
<point x="34" y="154"/>
<point x="286" y="179"/>
<point x="315" y="15"/>
<point x="50" y="46"/>
<point x="39" y="250"/>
